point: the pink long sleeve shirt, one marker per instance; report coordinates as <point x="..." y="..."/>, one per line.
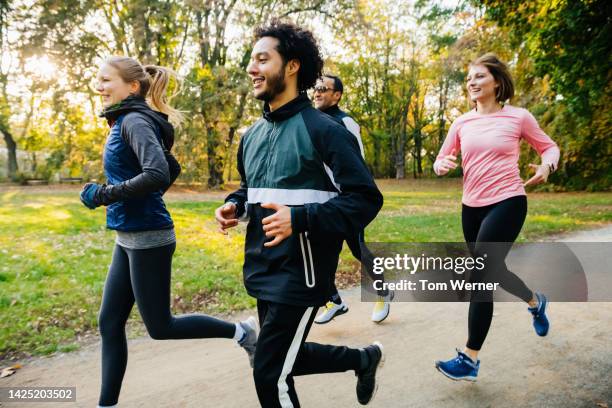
<point x="489" y="146"/>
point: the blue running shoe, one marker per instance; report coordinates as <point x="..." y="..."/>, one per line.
<point x="540" y="321"/>
<point x="459" y="368"/>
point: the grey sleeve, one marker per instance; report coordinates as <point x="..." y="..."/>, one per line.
<point x="140" y="135"/>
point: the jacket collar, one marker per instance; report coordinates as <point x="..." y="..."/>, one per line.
<point x="332" y="110"/>
<point x="129" y="104"/>
<point x="135" y="103"/>
<point x="287" y="110"/>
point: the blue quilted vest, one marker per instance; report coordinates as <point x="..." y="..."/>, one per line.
<point x="136" y="214"/>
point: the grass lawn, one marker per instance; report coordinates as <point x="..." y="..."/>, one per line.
<point x="54" y="253"/>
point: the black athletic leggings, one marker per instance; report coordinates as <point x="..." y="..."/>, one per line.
<point x="496" y="223"/>
<point x="143" y="276"/>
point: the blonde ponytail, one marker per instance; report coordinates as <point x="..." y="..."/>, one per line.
<point x="157" y="97"/>
<point x="154" y="81"/>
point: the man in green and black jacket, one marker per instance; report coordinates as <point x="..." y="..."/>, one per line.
<point x="304" y="189"/>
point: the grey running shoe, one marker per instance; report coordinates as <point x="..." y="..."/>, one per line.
<point x="331" y="310"/>
<point x="249" y="342"/>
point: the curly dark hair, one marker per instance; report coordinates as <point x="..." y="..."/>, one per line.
<point x="295" y="42"/>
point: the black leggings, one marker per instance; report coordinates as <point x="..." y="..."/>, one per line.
<point x="496" y="223"/>
<point x="143" y="275"/>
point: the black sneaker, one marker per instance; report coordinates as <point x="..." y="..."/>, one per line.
<point x="366" y="378"/>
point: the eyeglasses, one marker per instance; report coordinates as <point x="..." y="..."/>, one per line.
<point x="322" y="89"/>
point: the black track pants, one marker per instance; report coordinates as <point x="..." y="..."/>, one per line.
<point x="367" y="260"/>
<point x="282" y="353"/>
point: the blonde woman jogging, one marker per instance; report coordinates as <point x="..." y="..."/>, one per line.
<point x="139" y="169"/>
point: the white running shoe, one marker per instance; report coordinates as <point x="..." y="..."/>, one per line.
<point x="382" y="307"/>
<point x="331" y="310"/>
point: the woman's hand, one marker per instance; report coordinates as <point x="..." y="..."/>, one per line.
<point x="541" y="176"/>
<point x="447" y="163"/>
<point x="90" y="196"/>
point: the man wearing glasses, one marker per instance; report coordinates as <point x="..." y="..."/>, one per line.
<point x="327" y="94"/>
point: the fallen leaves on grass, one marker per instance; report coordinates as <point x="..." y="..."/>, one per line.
<point x="204" y="300"/>
<point x="9" y="370"/>
<point x="349" y="276"/>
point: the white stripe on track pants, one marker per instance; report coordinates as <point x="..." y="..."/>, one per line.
<point x="283" y="353"/>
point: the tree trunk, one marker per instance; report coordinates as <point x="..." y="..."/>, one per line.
<point x="233" y="130"/>
<point x="34" y="162"/>
<point x="376" y="147"/>
<point x="400" y="153"/>
<point x="441" y="110"/>
<point x="418" y="147"/>
<point x="400" y="167"/>
<point x="11" y="147"/>
<point x="215" y="161"/>
<point x="229" y="156"/>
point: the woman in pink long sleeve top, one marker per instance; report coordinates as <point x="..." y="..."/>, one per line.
<point x="494" y="199"/>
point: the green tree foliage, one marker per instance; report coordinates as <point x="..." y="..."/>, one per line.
<point x="403" y="65"/>
<point x="5" y="110"/>
<point x="381" y="70"/>
<point x="207" y="42"/>
<point x="569" y="44"/>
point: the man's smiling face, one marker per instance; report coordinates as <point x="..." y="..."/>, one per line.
<point x="266" y="69"/>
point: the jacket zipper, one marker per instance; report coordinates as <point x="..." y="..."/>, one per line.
<point x="308" y="261"/>
<point x="268" y="159"/>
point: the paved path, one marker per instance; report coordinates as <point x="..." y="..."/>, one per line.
<point x="571" y="367"/>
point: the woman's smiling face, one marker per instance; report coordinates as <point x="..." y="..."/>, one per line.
<point x="112" y="87"/>
<point x="481" y="84"/>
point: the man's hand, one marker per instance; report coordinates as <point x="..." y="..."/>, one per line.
<point x="277" y="225"/>
<point x="541" y="176"/>
<point x="226" y="217"/>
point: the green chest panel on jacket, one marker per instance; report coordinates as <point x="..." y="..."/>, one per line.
<point x="280" y="155"/>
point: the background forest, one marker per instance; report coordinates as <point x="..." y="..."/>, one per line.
<point x="403" y="65"/>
